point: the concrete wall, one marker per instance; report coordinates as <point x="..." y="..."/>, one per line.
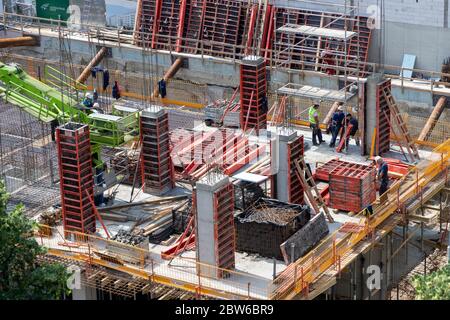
<point x="428" y="43"/>
<point x="421" y="12"/>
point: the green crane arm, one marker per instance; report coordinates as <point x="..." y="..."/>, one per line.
<point x="48" y="104"/>
<point x="37" y="98"/>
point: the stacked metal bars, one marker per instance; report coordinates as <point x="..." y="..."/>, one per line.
<point x="224" y="232"/>
<point x="156" y="164"/>
<point x="383" y="138"/>
<point x="253" y="90"/>
<point x="296" y="151"/>
<point x="352" y="187"/>
<point x="77" y="184"/>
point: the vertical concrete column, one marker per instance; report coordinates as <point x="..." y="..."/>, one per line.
<point x="253" y="90"/>
<point x="215" y="235"/>
<point x="76" y="178"/>
<point x="287" y="148"/>
<point x="370" y="110"/>
<point x="156" y="164"/>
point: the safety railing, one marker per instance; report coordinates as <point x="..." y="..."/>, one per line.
<point x="181" y="272"/>
<point x="333" y="250"/>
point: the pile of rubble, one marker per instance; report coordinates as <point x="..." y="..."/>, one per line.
<point x="126" y="237"/>
<point x="51" y="217"/>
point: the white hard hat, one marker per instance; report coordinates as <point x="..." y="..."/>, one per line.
<point x="88" y="95"/>
<point x="378" y="158"/>
<point x="96" y="105"/>
<point x="341" y="108"/>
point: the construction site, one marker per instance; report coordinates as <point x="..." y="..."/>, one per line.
<point x="231" y="149"/>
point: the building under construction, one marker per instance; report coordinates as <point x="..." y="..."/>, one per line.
<point x="175" y="160"/>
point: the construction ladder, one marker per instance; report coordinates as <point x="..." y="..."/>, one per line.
<point x="405" y="137"/>
<point x="305" y="177"/>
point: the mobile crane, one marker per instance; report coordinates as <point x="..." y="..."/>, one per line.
<point x="51" y="105"/>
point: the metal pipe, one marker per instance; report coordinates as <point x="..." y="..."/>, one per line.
<point x="429" y="126"/>
<point x="168" y="75"/>
<point x="95" y="61"/>
<point x="18" y="42"/>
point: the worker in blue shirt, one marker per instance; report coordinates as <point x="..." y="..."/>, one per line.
<point x="88" y="102"/>
<point x="336" y="124"/>
<point x="350" y="120"/>
<point x="382" y="175"/>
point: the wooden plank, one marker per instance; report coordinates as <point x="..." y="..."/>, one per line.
<point x="140" y="203"/>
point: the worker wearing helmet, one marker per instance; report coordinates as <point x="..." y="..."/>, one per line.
<point x="382" y="175"/>
<point x="88" y="102"/>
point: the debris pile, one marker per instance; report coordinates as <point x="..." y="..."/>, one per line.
<point x="126" y="237"/>
<point x="263" y="227"/>
<point x="124" y="164"/>
<point x="51" y="217"/>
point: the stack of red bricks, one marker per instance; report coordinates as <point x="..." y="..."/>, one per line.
<point x="352" y="186"/>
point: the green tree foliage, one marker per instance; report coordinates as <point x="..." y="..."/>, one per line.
<point x="21" y="277"/>
<point x="435" y="286"/>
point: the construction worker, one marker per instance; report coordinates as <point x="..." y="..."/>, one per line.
<point x="99" y="181"/>
<point x="95" y="95"/>
<point x="336" y="124"/>
<point x="314" y="124"/>
<point x="350" y="120"/>
<point x="382" y="176"/>
<point x="116" y="91"/>
<point x="88" y="102"/>
<point x="96" y="108"/>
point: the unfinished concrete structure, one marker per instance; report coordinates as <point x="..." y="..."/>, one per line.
<point x="156" y="165"/>
<point x="291" y="36"/>
<point x="214" y="222"/>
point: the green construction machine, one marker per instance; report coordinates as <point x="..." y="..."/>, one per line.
<point x="59" y="104"/>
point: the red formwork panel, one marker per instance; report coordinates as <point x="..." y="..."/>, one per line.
<point x="253" y="90"/>
<point x="352" y="186"/>
<point x="156" y="164"/>
<point x="76" y="177"/>
<point x="383" y="138"/>
<point x="224" y="232"/>
<point x="323" y="171"/>
<point x="296" y="151"/>
<point x="219" y="27"/>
